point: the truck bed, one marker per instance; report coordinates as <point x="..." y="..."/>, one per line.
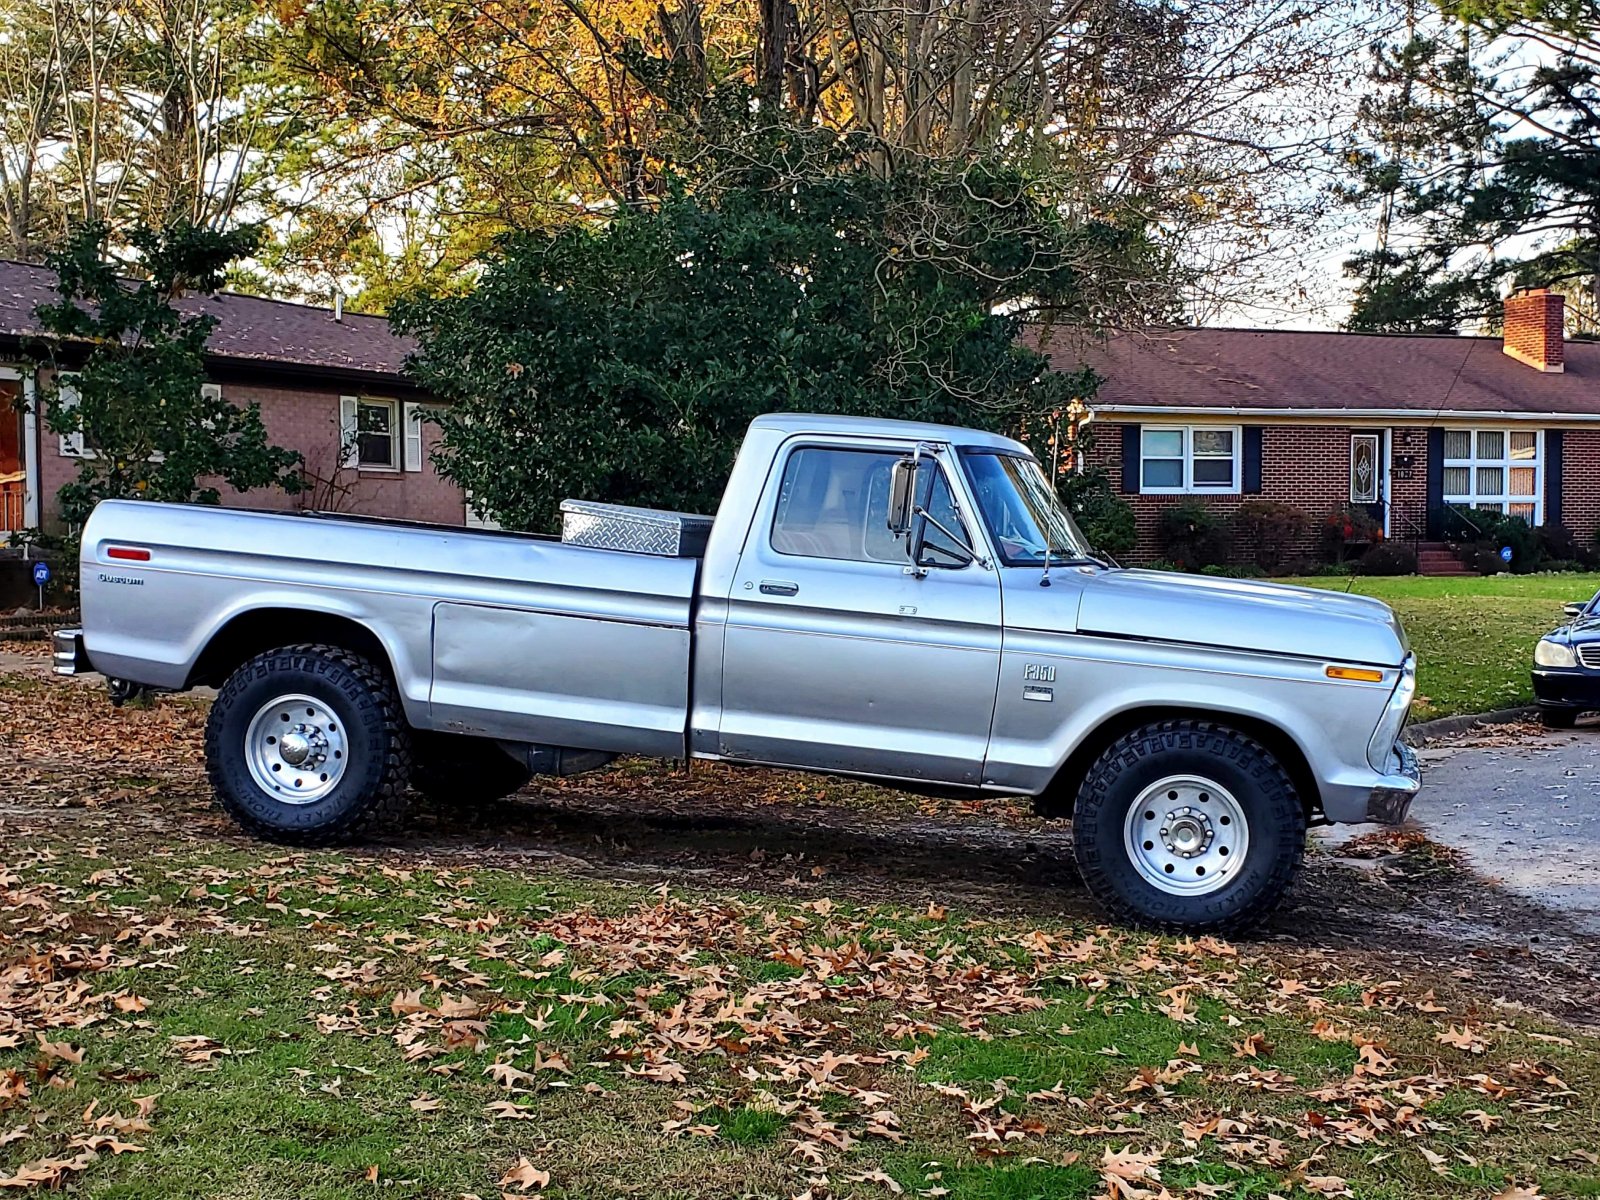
<point x="488" y="632"/>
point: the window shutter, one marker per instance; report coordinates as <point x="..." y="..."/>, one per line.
<point x="210" y="391"/>
<point x="67" y="398"/>
<point x="1435" y="482"/>
<point x="411" y="422"/>
<point x="1130" y="459"/>
<point x="350" y="455"/>
<point x="1252" y="459"/>
<point x="1552" y="476"/>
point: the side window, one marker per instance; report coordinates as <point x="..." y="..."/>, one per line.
<point x="835" y="504"/>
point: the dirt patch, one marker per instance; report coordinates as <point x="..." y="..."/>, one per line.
<point x="1408" y="906"/>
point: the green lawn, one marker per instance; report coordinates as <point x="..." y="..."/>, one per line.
<point x="181" y="1020"/>
<point x="1473" y="637"/>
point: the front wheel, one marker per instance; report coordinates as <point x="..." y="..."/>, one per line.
<point x="1189" y="826"/>
<point x="307" y="745"/>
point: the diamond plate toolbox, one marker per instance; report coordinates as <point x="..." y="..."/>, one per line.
<point x="634" y="530"/>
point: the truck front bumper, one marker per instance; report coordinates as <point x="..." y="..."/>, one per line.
<point x="70" y="656"/>
<point x="1391" y="799"/>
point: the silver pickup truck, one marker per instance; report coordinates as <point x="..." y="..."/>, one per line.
<point x="902" y="602"/>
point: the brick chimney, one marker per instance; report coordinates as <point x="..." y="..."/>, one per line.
<point x="1533" y="328"/>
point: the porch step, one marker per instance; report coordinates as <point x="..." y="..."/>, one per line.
<point x="1440" y="562"/>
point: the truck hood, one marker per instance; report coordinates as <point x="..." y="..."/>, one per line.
<point x="1242" y="614"/>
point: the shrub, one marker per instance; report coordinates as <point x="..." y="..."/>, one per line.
<point x="1233" y="571"/>
<point x="1346" y="527"/>
<point x="1495" y="530"/>
<point x="1271" y="529"/>
<point x="1107" y="521"/>
<point x="1193" y="536"/>
<point x="1162" y="564"/>
<point x="1388" y="558"/>
<point x="1556" y="566"/>
<point x="1557" y="543"/>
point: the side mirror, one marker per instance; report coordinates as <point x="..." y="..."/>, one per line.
<point x="902" y="496"/>
<point x="1576" y="608"/>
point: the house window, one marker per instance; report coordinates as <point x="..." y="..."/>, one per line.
<point x="377" y="434"/>
<point x="1189" y="458"/>
<point x="1497" y="469"/>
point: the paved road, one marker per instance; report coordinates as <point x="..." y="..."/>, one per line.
<point x="1526" y="814"/>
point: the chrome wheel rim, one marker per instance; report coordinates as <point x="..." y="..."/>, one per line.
<point x="295" y="749"/>
<point x="1186" y="835"/>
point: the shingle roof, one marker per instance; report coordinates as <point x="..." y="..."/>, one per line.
<point x="249" y="328"/>
<point x="1259" y="370"/>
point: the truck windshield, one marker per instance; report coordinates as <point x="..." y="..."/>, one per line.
<point x="1030" y="525"/>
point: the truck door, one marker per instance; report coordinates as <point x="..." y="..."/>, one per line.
<point x="835" y="658"/>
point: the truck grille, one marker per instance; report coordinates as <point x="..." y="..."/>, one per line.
<point x="1589" y="656"/>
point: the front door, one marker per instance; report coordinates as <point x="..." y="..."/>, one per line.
<point x="13" y="477"/>
<point x="837" y="659"/>
<point x="1369" y="474"/>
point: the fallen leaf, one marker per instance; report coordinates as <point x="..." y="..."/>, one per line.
<point x="524" y="1176"/>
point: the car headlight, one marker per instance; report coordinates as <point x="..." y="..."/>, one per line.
<point x="1554" y="654"/>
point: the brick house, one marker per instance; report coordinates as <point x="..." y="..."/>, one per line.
<point x="1403" y="425"/>
<point x="330" y="385"/>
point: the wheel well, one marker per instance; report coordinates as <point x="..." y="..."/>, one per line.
<point x="1057" y="799"/>
<point x="262" y="629"/>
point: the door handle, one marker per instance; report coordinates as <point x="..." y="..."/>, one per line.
<point x="778" y="587"/>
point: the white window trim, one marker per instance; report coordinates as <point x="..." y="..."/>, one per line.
<point x="349" y="430"/>
<point x="1189" y="487"/>
<point x="1472" y="498"/>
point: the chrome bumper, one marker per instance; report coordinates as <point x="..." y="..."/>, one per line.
<point x="1391" y="799"/>
<point x="70" y="656"/>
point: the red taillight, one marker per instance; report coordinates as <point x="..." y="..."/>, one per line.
<point x="128" y="553"/>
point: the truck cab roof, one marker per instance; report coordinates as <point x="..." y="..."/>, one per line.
<point x="834" y="425"/>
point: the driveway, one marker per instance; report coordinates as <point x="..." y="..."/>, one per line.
<point x="1525" y="812"/>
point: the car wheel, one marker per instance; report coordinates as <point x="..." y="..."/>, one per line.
<point x="308" y="745"/>
<point x="455" y="770"/>
<point x="1188" y="825"/>
<point x="1559" y="718"/>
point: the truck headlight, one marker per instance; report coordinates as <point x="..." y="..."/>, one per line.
<point x="1554" y="654"/>
<point x="1394" y="716"/>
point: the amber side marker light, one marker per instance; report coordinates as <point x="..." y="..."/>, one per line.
<point x="1356" y="674"/>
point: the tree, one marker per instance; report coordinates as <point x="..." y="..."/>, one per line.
<point x="135" y="402"/>
<point x="624" y="361"/>
<point x="140" y="112"/>
<point x="447" y="122"/>
<point x="1488" y="156"/>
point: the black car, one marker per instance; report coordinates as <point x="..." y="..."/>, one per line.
<point x="1566" y="666"/>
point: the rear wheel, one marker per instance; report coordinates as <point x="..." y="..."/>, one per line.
<point x="1188" y="825"/>
<point x="455" y="770"/>
<point x="1559" y="718"/>
<point x="307" y="745"/>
